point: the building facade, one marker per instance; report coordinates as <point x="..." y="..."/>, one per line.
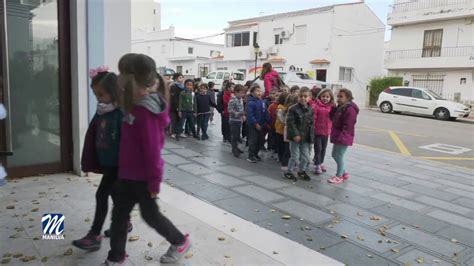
<point x="146" y="15"/>
<point x="340" y="44"/>
<point x="46" y="50"/>
<point x="432" y="46"/>
<point x="192" y="58"/>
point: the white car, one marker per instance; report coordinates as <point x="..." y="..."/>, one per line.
<point x="299" y="79"/>
<point x="219" y="76"/>
<point x="420" y="101"/>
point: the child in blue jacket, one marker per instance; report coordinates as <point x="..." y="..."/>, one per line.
<point x="257" y="119"/>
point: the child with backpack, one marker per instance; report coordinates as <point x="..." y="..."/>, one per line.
<point x="322" y="107"/>
<point x="186" y="107"/>
<point x="257" y="119"/>
<point x="203" y="104"/>
<point x="236" y="117"/>
<point x="280" y="121"/>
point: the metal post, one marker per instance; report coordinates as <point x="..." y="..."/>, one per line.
<point x="255" y="69"/>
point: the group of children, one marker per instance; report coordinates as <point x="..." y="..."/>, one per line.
<point x="292" y="121"/>
<point x="124" y="142"/>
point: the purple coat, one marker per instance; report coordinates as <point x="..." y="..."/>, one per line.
<point x="344" y="119"/>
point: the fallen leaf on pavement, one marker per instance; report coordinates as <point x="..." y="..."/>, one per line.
<point x="36" y="238"/>
<point x="275" y="252"/>
<point x="10" y="207"/>
<point x="32" y="220"/>
<point x="68" y="252"/>
<point x="454" y="240"/>
<point x="395" y="250"/>
<point x="417" y="226"/>
<point x="6" y="255"/>
<point x="150" y="244"/>
<point x="286" y="217"/>
<point x="335" y="221"/>
<point x="188" y="256"/>
<point x="436" y="261"/>
<point x="360" y="238"/>
<point x="221" y="238"/>
<point x="227" y="256"/>
<point x="322" y="248"/>
<point x="133" y="238"/>
<point x="309" y="239"/>
<point x="87" y="220"/>
<point x="148" y="258"/>
<point x="233" y="230"/>
<point x="28" y="258"/>
<point x="420" y="260"/>
<point x="44" y="259"/>
<point x="35" y="210"/>
<point x="17" y="255"/>
<point x="359" y="214"/>
<point x="370" y="256"/>
<point x="307" y="228"/>
<point x="344" y="236"/>
<point x="15" y="236"/>
<point x="6" y="260"/>
<point x="375" y="218"/>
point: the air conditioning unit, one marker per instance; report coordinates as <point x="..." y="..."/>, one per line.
<point x="262" y="55"/>
<point x="273" y="50"/>
<point x="285" y="34"/>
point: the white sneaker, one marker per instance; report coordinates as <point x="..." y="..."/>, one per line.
<point x="173" y="136"/>
<point x="182" y="135"/>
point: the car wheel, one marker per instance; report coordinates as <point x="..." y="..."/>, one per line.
<point x="441" y="114"/>
<point x="386" y="107"/>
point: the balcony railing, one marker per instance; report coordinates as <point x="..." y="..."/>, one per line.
<point x="460" y="51"/>
<point x="425" y="4"/>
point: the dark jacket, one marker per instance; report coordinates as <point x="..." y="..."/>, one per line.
<point x="344" y="119"/>
<point x="203" y="103"/>
<point x="174" y="97"/>
<point x="186" y="101"/>
<point x="256" y="112"/>
<point x="300" y="122"/>
<point x="102" y="142"/>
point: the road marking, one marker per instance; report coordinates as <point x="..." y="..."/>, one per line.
<point x="375" y="148"/>
<point x="445" y="148"/>
<point x="403" y="149"/>
<point x="447" y="158"/>
<point x="386" y="130"/>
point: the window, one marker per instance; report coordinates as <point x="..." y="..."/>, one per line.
<point x="238" y="39"/>
<point x="238" y="76"/>
<point x="278" y="40"/>
<point x="402" y="92"/>
<point x="255" y="36"/>
<point x="345" y="74"/>
<point x="300" y="34"/>
<point x="179" y="69"/>
<point x="214" y="53"/>
<point x="226" y="76"/>
<point x="419" y="94"/>
<point x="211" y="75"/>
<point x="219" y="75"/>
<point x="190" y="50"/>
<point x="432" y="43"/>
<point x="431" y="82"/>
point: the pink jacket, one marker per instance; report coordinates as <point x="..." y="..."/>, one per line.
<point x="270" y="81"/>
<point x="343" y="127"/>
<point x="143" y="138"/>
<point x="322" y="120"/>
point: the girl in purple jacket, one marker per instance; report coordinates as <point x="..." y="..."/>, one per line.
<point x="140" y="163"/>
<point x="344" y="118"/>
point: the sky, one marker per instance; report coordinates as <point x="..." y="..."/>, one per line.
<point x="200" y="18"/>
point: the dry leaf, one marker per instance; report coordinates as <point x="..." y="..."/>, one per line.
<point x="370" y="256"/>
<point x="10" y="207"/>
<point x="227" y="256"/>
<point x="309" y="239"/>
<point x="36" y="238"/>
<point x="359" y="214"/>
<point x="233" y="230"/>
<point x="454" y="240"/>
<point x="375" y="218"/>
<point x="344" y="236"/>
<point x="28" y="258"/>
<point x="188" y="256"/>
<point x="272" y="210"/>
<point x="6" y="255"/>
<point x="6" y="260"/>
<point x="68" y="252"/>
<point x="15" y="236"/>
<point x="275" y="252"/>
<point x="286" y="217"/>
<point x="436" y="261"/>
<point x="17" y="255"/>
<point x="133" y="238"/>
<point x="221" y="238"/>
<point x="360" y="238"/>
<point x="148" y="258"/>
<point x="420" y="260"/>
<point x="150" y="244"/>
<point x="35" y="210"/>
<point x="87" y="220"/>
<point x="44" y="259"/>
<point x="395" y="250"/>
<point x="335" y="221"/>
<point x="380" y="241"/>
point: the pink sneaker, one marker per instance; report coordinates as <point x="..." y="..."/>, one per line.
<point x="323" y="168"/>
<point x="345" y="176"/>
<point x="318" y="170"/>
<point x="336" y="180"/>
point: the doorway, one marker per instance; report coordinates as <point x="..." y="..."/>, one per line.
<point x="321" y="74"/>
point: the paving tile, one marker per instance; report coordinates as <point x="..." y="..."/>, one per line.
<point x="187" y="153"/>
<point x="411" y="256"/>
<point x="223" y="179"/>
<point x="179" y="177"/>
<point x="362" y="236"/>
<point x="461" y="192"/>
<point x="171" y="145"/>
<point x="355" y="255"/>
<point x="466" y="202"/>
<point x="357" y="214"/>
<point x="386" y="188"/>
<point x="410" y="217"/>
<point x="414" y="180"/>
<point x="461" y="180"/>
<point x="234" y="171"/>
<point x="454" y="184"/>
<point x="196" y="169"/>
<point x="174" y="159"/>
<point x="389" y="180"/>
<point x="258" y="193"/>
<point x="443" y="205"/>
<point x="409" y="204"/>
<point x="248" y="209"/>
<point x="425" y="240"/>
<point x="306" y="196"/>
<point x="208" y="161"/>
<point x="430" y="192"/>
<point x="351" y="186"/>
<point x="405" y="172"/>
<point x="267" y="182"/>
<point x="304" y="211"/>
<point x="209" y="191"/>
<point x="452" y="218"/>
<point x="463" y="235"/>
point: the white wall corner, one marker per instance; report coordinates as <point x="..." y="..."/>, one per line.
<point x="117" y="31"/>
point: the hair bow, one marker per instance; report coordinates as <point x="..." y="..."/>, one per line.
<point x="93" y="72"/>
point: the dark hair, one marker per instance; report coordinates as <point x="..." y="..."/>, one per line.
<point x="203" y="85"/>
<point x="282" y="98"/>
<point x="177" y="75"/>
<point x="314" y="92"/>
<point x="211" y="84"/>
<point x="331" y="95"/>
<point x="228" y="85"/>
<point x="248" y="83"/>
<point x="348" y="93"/>
<point x="239" y="88"/>
<point x="254" y="87"/>
<point x="304" y="90"/>
<point x="291" y="100"/>
<point x="189" y="80"/>
<point x="224" y="84"/>
<point x="109" y="82"/>
<point x="294" y="88"/>
<point x="138" y="70"/>
<point x="266" y="68"/>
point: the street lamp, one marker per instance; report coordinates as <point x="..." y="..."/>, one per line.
<point x="256" y="50"/>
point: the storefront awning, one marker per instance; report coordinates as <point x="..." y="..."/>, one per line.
<point x="276" y="59"/>
<point x="319" y="62"/>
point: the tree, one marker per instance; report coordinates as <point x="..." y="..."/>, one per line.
<point x="377" y="85"/>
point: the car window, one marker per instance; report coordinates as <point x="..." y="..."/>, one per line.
<point x="419" y="94"/>
<point x="402" y="92"/>
<point x="238" y="76"/>
<point x="435" y="95"/>
<point x="211" y="75"/>
<point x="303" y="76"/>
<point x="219" y="75"/>
<point x="226" y="75"/>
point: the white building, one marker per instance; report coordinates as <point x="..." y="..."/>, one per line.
<point x="191" y="58"/>
<point x="146" y="15"/>
<point x="432" y="46"/>
<point x="341" y="44"/>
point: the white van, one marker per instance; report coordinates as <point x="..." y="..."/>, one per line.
<point x="219" y="76"/>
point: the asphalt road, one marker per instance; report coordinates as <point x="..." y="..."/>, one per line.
<point x="450" y="142"/>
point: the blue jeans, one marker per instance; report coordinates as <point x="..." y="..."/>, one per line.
<point x="338" y="152"/>
<point x="300" y="152"/>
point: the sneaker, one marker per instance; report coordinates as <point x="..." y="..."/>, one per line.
<point x="175" y="253"/>
<point x="318" y="170"/>
<point x="289" y="176"/>
<point x="258" y="158"/>
<point x="90" y="242"/>
<point x="204" y="137"/>
<point x="173" y="136"/>
<point x="335" y="180"/>
<point x="240" y="151"/>
<point x="110" y="263"/>
<point x="345" y="176"/>
<point x="284" y="169"/>
<point x="197" y="137"/>
<point x="182" y="135"/>
<point x="107" y="233"/>
<point x="323" y="168"/>
<point x="236" y="153"/>
<point x="303" y="175"/>
<point x="252" y="160"/>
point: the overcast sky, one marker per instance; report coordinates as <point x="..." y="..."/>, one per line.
<point x="197" y="18"/>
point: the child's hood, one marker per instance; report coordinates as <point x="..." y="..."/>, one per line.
<point x="153" y="103"/>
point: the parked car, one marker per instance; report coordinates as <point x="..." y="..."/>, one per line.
<point x="420" y="101"/>
<point x="219" y="76"/>
<point x="299" y="79"/>
<point x="166" y="72"/>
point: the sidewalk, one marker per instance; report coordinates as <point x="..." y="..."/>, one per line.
<point x="20" y="228"/>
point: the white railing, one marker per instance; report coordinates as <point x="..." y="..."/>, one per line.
<point x="425" y="4"/>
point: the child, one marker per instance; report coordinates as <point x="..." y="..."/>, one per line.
<point x="314" y="95"/>
<point x="272" y="111"/>
<point x="186" y="107"/>
<point x="280" y="121"/>
<point x="300" y="133"/>
<point x="212" y="92"/>
<point x="101" y="151"/>
<point x="294" y="90"/>
<point x="271" y="79"/>
<point x="175" y="90"/>
<point x="236" y="117"/>
<point x="140" y="164"/>
<point x="322" y="106"/>
<point x="203" y="104"/>
<point x="344" y="118"/>
<point x="228" y="92"/>
<point x="257" y="118"/>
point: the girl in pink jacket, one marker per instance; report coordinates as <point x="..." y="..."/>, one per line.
<point x="271" y="79"/>
<point x="322" y="107"/>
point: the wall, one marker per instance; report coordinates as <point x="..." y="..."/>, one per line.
<point x="146" y="15"/>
